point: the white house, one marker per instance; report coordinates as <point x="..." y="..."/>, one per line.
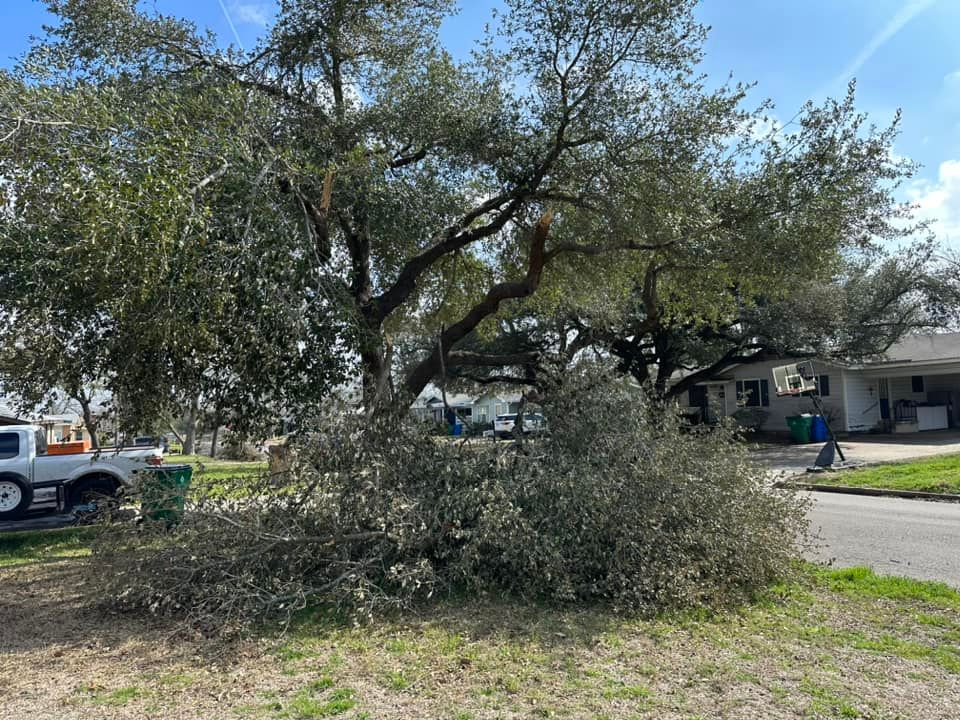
<point x="473" y="409"/>
<point x="429" y="406"/>
<point x="914" y="386"/>
<point x="486" y="407"/>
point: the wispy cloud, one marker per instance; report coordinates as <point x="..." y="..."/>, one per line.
<point x="939" y="202"/>
<point x="909" y="11"/>
<point x="253" y="13"/>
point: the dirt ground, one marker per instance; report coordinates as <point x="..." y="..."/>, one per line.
<point x="813" y="653"/>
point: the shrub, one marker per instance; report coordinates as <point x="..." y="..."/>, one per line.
<point x="617" y="504"/>
<point x="751" y="418"/>
<point x="234" y="447"/>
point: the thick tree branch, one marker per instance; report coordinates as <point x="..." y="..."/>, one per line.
<point x="318" y="215"/>
<point x="496" y="379"/>
<point x="602" y="249"/>
<point x="429" y="367"/>
<point x="731" y="357"/>
<point x="448" y="241"/>
<point x="466" y="357"/>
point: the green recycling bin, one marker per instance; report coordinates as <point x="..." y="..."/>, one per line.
<point x="164" y="492"/>
<point x="800" y="426"/>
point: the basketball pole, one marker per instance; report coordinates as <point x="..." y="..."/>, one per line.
<point x="815" y="397"/>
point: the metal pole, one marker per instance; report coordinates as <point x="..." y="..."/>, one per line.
<point x="815" y="396"/>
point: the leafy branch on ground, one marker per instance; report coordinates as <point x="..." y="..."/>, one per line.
<point x="621" y="503"/>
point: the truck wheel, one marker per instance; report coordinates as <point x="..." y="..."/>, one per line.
<point x="92" y="496"/>
<point x="15" y="496"/>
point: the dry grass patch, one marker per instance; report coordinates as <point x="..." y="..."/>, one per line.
<point x="840" y="644"/>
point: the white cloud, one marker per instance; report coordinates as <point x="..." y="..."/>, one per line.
<point x="762" y="128"/>
<point x="252" y="13"/>
<point x="939" y="202"/>
<point x="909" y="11"/>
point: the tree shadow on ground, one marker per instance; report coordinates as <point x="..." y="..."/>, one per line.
<point x="45" y="606"/>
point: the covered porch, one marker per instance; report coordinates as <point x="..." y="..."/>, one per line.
<point x="916" y="397"/>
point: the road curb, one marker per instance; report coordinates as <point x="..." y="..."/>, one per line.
<point x="874" y="492"/>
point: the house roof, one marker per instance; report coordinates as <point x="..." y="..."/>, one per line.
<point x="500" y="397"/>
<point x="922" y="348"/>
<point x="933" y="350"/>
<point x="453" y="400"/>
<point x="9" y="416"/>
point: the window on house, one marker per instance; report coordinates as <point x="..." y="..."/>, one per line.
<point x="481" y="414"/>
<point x="753" y="393"/>
<point x="9" y="445"/>
<point x="697" y="396"/>
<point x="916" y="383"/>
<point x="823" y="385"/>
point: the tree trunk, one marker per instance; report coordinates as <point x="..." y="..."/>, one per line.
<point x="190" y="436"/>
<point x="376" y="356"/>
<point x="89" y="422"/>
<point x="215" y="436"/>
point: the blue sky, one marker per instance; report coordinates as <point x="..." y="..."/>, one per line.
<point x="904" y="54"/>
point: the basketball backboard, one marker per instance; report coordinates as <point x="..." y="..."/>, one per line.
<point x="795" y="379"/>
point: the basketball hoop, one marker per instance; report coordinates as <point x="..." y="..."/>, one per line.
<point x="795" y="379"/>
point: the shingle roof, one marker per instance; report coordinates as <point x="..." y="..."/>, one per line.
<point x="920" y="348"/>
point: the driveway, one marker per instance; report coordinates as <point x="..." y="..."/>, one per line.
<point x="891" y="536"/>
<point x="38" y="521"/>
<point x="795" y="459"/>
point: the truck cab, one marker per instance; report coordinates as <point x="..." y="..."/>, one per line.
<point x="29" y="477"/>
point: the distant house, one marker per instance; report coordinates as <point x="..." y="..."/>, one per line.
<point x="62" y="428"/>
<point x="429" y="406"/>
<point x="486" y="407"/>
<point x="10" y="417"/>
<point x="914" y="386"/>
<point x="472" y="409"/>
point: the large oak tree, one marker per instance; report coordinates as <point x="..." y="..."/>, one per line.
<point x="242" y="224"/>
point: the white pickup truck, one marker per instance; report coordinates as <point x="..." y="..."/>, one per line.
<point x="31" y="477"/>
<point x="533" y="424"/>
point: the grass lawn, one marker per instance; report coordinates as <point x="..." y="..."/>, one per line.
<point x="938" y="474"/>
<point x="211" y="474"/>
<point x="833" y="644"/>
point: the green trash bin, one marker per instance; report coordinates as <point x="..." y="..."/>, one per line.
<point x="164" y="492"/>
<point x="800" y="427"/>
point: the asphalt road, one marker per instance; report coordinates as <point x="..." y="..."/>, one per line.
<point x="892" y="536"/>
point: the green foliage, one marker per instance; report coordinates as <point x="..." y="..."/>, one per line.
<point x="751" y="418"/>
<point x="143" y="254"/>
<point x="620" y="503"/>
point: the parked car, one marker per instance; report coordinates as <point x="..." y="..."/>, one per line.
<point x="29" y="477"/>
<point x="533" y="424"/>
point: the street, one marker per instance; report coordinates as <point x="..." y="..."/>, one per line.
<point x="892" y="536"/>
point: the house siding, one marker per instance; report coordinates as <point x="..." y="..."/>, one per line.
<point x="901" y="388"/>
<point x="862" y="401"/>
<point x="782" y="407"/>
